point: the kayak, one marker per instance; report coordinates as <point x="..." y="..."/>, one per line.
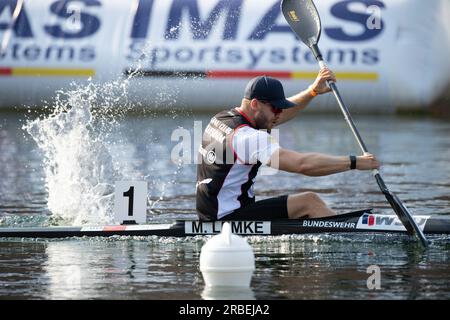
<point x="357" y="221"/>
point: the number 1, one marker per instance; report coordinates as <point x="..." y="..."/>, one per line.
<point x="130" y="193"/>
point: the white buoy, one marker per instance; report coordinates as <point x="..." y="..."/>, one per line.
<point x="227" y="260"/>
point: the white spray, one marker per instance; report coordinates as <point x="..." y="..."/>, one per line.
<point x="79" y="169"/>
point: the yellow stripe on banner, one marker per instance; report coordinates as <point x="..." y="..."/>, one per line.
<point x="52" y="72"/>
<point x="304" y="75"/>
<point x="356" y="76"/>
<point x="362" y="76"/>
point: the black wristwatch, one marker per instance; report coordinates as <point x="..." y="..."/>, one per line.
<point x="352" y="162"/>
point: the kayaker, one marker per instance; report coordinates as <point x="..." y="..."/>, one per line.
<point x="237" y="142"/>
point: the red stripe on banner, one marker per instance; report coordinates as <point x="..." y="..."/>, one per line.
<point x="371" y="220"/>
<point x="5" y="71"/>
<point x="247" y="74"/>
<point x="115" y="228"/>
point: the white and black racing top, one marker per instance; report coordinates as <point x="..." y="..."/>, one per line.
<point x="231" y="153"/>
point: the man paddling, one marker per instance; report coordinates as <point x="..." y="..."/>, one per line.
<point x="237" y="142"/>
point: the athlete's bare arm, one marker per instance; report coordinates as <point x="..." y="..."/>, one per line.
<point x="318" y="164"/>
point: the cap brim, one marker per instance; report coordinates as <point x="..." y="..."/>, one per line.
<point x="283" y="104"/>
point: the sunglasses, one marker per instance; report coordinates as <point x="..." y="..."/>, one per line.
<point x="275" y="110"/>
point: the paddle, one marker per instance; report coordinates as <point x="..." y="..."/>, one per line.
<point x="303" y="18"/>
<point x="7" y="35"/>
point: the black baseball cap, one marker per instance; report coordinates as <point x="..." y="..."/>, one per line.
<point x="268" y="89"/>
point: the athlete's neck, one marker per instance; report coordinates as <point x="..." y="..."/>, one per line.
<point x="246" y="111"/>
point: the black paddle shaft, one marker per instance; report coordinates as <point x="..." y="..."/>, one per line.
<point x="342" y="106"/>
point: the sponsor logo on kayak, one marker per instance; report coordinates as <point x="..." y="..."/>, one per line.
<point x="368" y="219"/>
<point x="328" y="224"/>
<point x="387" y="222"/>
<point x="237" y="227"/>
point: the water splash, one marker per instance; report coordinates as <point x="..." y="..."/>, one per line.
<point x="84" y="151"/>
<point x="79" y="169"/>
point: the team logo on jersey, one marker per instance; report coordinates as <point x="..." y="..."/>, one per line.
<point x="211" y="157"/>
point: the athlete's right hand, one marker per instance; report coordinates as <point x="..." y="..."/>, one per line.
<point x="367" y="162"/>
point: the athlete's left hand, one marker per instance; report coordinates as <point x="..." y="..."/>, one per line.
<point x="320" y="84"/>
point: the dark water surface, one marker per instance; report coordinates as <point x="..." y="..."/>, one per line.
<point x="415" y="153"/>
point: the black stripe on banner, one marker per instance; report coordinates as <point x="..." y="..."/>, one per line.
<point x="165" y="73"/>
